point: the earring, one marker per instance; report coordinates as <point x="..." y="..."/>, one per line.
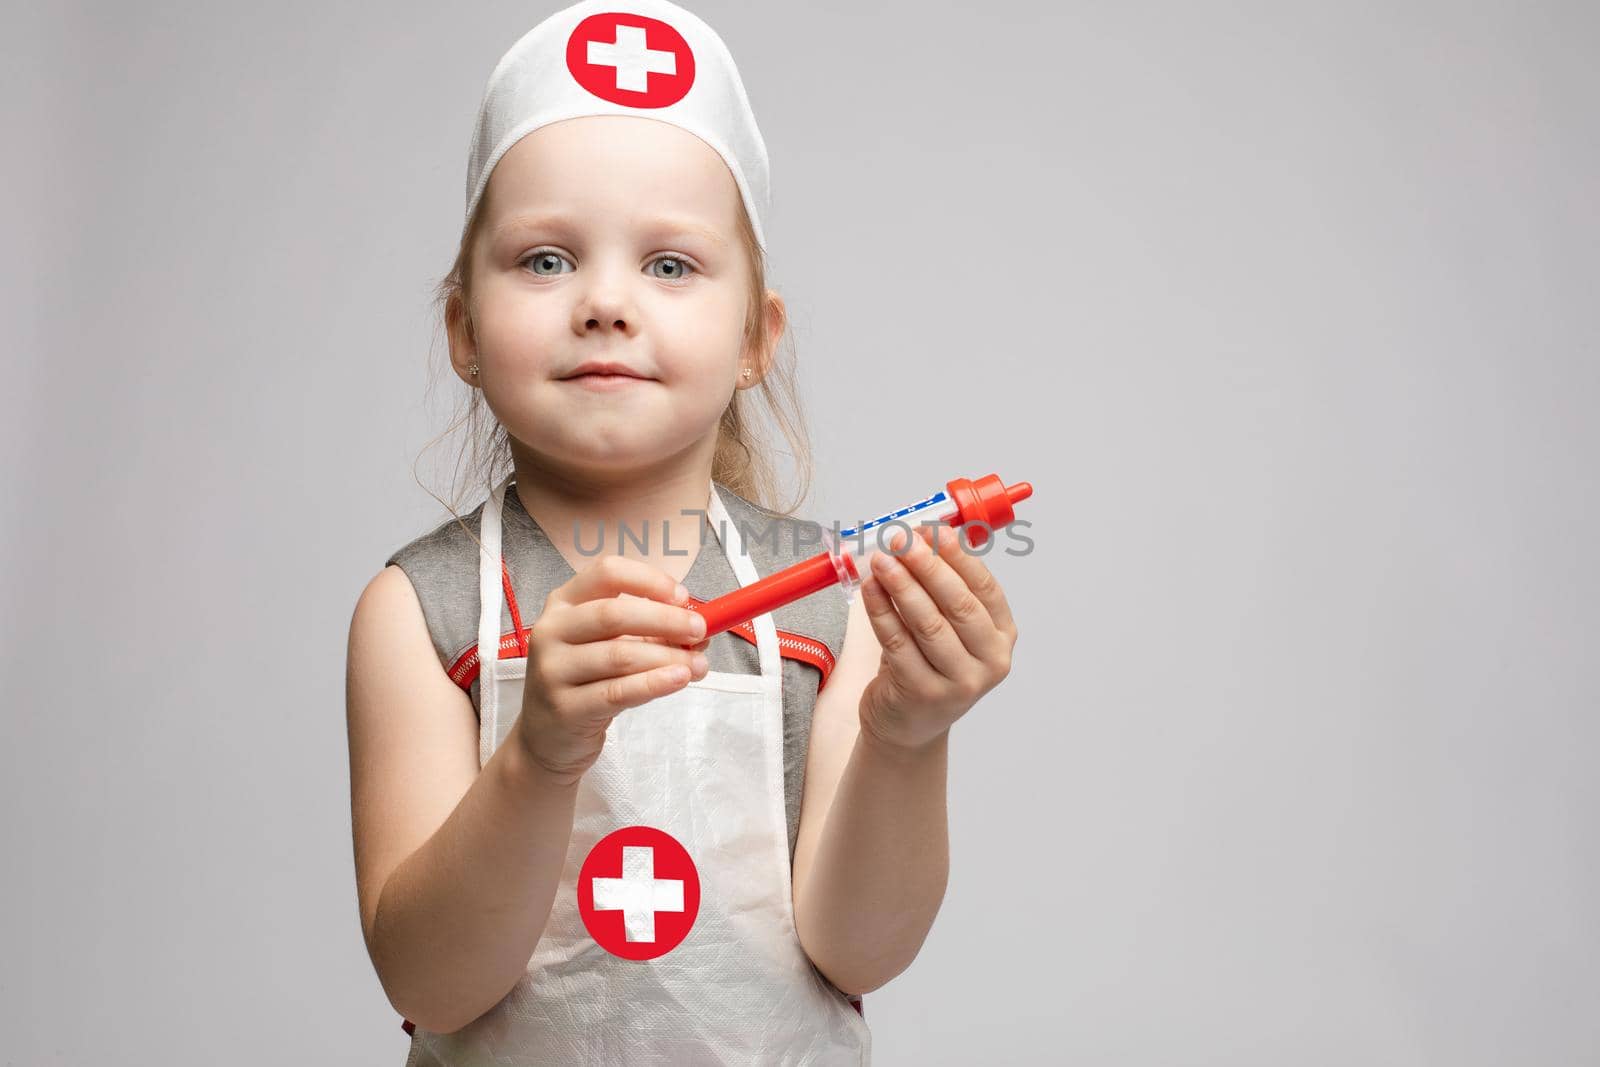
<point x="474" y="370"/>
<point x="747" y="372"/>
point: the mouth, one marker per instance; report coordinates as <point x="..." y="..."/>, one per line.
<point x="605" y="378"/>
<point x="597" y="372"/>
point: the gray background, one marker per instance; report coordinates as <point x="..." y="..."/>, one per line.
<point x="1285" y="309"/>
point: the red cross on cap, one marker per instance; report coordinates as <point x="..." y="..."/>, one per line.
<point x="630" y="59"/>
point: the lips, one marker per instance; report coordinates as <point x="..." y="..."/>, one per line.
<point x="602" y="369"/>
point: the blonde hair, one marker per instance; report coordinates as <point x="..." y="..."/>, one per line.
<point x="742" y="460"/>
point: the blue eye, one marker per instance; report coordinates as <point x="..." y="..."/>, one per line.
<point x="543" y="258"/>
<point x="683" y="265"/>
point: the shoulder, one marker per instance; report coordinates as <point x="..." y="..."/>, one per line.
<point x="443" y="561"/>
<point x="449" y="539"/>
<point x="389" y="600"/>
<point x="442" y="568"/>
<point x="388" y="630"/>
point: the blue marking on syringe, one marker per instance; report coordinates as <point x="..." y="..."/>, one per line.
<point x="937" y="498"/>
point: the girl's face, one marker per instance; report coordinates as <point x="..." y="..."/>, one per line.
<point x="610" y="239"/>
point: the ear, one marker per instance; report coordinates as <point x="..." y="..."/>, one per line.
<point x="775" y="317"/>
<point x="463" y="346"/>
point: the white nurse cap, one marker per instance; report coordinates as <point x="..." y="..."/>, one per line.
<point x="646" y="58"/>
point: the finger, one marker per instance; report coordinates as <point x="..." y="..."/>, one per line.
<point x="981" y="581"/>
<point x="612" y="575"/>
<point x="697" y="646"/>
<point x="924" y="622"/>
<point x="674" y="640"/>
<point x="949" y="574"/>
<point x="940" y="644"/>
<point x="609" y="696"/>
<point x="601" y="620"/>
<point x="615" y="659"/>
<point x="897" y="643"/>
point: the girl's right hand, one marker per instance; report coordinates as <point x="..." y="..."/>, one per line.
<point x="593" y="653"/>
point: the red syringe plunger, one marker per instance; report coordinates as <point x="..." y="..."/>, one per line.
<point x="988" y="501"/>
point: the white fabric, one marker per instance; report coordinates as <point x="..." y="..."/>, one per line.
<point x="704" y="764"/>
<point x="643" y="67"/>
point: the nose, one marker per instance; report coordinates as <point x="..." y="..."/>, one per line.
<point x="606" y="301"/>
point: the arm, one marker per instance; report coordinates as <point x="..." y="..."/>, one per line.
<point x="449" y="913"/>
<point x="930" y="635"/>
<point x="872" y="857"/>
<point x="457" y="868"/>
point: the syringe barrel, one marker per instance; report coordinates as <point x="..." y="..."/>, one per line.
<point x="769" y="593"/>
<point x="987" y="504"/>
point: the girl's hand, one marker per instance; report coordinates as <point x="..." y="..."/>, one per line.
<point x="946" y="633"/>
<point x="594" y="652"/>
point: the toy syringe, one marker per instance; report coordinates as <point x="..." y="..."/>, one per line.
<point x="985" y="504"/>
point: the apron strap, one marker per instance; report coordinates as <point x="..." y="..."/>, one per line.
<point x="491" y="573"/>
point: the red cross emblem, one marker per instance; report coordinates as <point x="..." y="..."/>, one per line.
<point x="630" y="59"/>
<point x="638" y="893"/>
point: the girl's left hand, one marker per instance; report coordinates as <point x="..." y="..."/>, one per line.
<point x="946" y="633"/>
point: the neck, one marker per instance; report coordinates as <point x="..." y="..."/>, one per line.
<point x="589" y="507"/>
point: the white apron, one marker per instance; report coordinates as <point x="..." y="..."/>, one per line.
<point x="704" y="764"/>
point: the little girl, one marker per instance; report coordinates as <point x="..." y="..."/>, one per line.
<point x="584" y="833"/>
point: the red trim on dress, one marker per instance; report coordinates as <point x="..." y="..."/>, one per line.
<point x="516" y="616"/>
